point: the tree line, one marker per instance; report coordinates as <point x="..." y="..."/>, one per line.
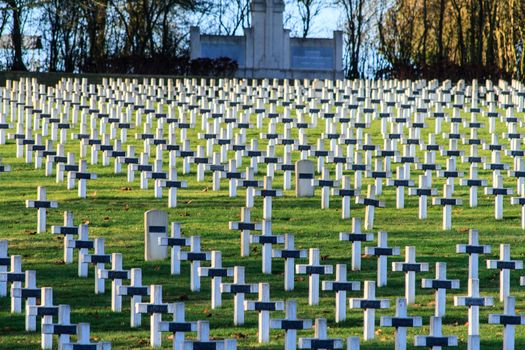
<point x="383" y="38"/>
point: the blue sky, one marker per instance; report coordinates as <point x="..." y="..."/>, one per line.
<point x="328" y="20"/>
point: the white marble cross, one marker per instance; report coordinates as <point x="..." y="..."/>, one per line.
<point x="83" y="244"/>
<point x="356" y="237"/>
<point x="268" y="193"/>
<point x="423" y="192"/>
<point x="5" y="262"/>
<point x="216" y="272"/>
<point x="509" y="320"/>
<point x="289" y="254"/>
<point x="15" y="276"/>
<point x="68" y="231"/>
<point x="498" y="191"/>
<point x="382" y="251"/>
<point x="290" y="324"/>
<point x="369" y="303"/>
<point x="325" y="183"/>
<point x="135" y="291"/>
<point x="447" y="202"/>
<point x="340" y="286"/>
<point x="520" y="200"/>
<point x="473" y="183"/>
<point x="320" y="339"/>
<point x="346" y="193"/>
<point x="173" y="184"/>
<point x="156" y="308"/>
<point x="370" y="202"/>
<point x="195" y="256"/>
<point x="47" y="311"/>
<point x="63" y="328"/>
<point x="99" y="258"/>
<point x="410" y="267"/>
<point x="505" y="265"/>
<point x="175" y="242"/>
<point x="313" y="269"/>
<point x="264" y="306"/>
<point x="239" y="288"/>
<point x="436" y="340"/>
<point x="116" y="275"/>
<point x="84" y="340"/>
<point x="267" y="239"/>
<point x="473" y="301"/>
<point x="178" y="327"/>
<point x="473" y="249"/>
<point x="30" y="293"/>
<point x="401" y="321"/>
<point x="245" y="226"/>
<point x="440" y="284"/>
<point x="42" y="204"/>
<point x="203" y="340"/>
<point x="400" y="183"/>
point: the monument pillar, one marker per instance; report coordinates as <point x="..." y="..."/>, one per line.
<point x="267" y="21"/>
<point x="195" y="42"/>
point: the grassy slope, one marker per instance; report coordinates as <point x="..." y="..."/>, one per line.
<point x="117" y="215"/>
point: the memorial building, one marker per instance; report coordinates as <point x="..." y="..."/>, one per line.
<point x="266" y="49"/>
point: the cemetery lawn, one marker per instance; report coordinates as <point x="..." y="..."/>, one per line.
<point x="115" y="210"/>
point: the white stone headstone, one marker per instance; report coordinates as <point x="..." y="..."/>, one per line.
<point x="155" y="227"/>
<point x="304" y="174"/>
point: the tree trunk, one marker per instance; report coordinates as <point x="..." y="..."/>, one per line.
<point x="16" y="38"/>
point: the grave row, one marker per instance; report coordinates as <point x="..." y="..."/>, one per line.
<point x="103" y="116"/>
<point x="156" y="242"/>
<point x="403" y="115"/>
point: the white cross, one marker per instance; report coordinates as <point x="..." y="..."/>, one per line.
<point x="410" y="267"/>
<point x="401" y="321"/>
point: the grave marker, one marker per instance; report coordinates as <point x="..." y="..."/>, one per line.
<point x="401" y="321"/>
<point x="42" y="204"/>
<point x="264" y="306"/>
<point x="340" y="286"/>
<point x="369" y="303"/>
<point x="290" y="324"/>
<point x="304" y="174"/>
<point x="155" y="227"/>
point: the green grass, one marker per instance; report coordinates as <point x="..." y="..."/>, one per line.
<point x="117" y="215"/>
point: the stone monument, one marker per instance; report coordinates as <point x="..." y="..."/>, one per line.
<point x="155" y="227"/>
<point x="266" y="49"/>
<point x="304" y="175"/>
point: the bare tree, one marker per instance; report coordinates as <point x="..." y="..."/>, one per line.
<point x="358" y="18"/>
<point x="17" y="7"/>
<point x="229" y="16"/>
<point x="308" y="10"/>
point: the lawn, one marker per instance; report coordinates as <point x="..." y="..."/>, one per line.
<point x="115" y="210"/>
